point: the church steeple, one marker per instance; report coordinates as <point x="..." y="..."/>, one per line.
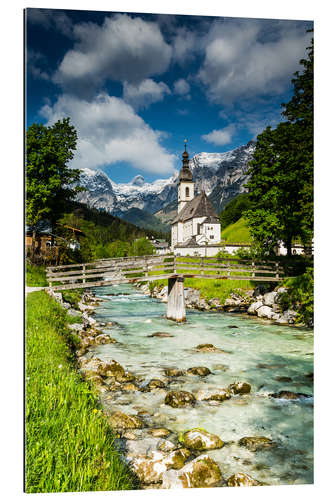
<point x="185" y="184"/>
<point x="185" y="174"/>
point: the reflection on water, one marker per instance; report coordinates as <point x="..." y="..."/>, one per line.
<point x="270" y="357"/>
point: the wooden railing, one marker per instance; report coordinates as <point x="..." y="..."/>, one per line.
<point x="149" y="268"/>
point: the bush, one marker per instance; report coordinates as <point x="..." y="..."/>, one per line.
<point x="300" y="296"/>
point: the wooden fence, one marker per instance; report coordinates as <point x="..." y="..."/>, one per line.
<point x="149" y="268"/>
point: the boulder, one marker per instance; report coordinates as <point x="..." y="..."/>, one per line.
<point x="178" y="399"/>
<point x="156" y="384"/>
<point x="254" y="307"/>
<point x="289" y="395"/>
<point x="173" y="372"/>
<point x="269" y="298"/>
<point x="213" y="395"/>
<point x="130" y="387"/>
<point x="202" y="472"/>
<point x="202" y="371"/>
<point x="120" y="420"/>
<point x="200" y="440"/>
<point x="241" y="479"/>
<point x="148" y="471"/>
<point x="239" y="388"/>
<point x="264" y="312"/>
<point x="166" y="446"/>
<point x="208" y="348"/>
<point x="288" y="317"/>
<point x="104" y="339"/>
<point x="160" y="432"/>
<point x="255" y="443"/>
<point x="111" y="369"/>
<point x="176" y="459"/>
<point x="161" y="335"/>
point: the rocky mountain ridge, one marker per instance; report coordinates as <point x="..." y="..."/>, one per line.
<point x="221" y="175"/>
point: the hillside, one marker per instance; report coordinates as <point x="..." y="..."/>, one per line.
<point x="145" y="220"/>
<point x="236" y="233"/>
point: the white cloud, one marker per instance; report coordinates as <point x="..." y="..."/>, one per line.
<point x="184" y="45"/>
<point x="145" y="93"/>
<point x="242" y="62"/>
<point x="181" y="87"/>
<point x="220" y="137"/>
<point x="122" y="49"/>
<point x="110" y="131"/>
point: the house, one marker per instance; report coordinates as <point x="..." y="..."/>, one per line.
<point x="161" y="247"/>
<point x="196" y="230"/>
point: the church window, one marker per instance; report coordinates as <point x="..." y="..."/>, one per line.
<point x="211" y="236"/>
<point x="187" y="192"/>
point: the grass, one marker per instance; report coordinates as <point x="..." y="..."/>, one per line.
<point x="73" y="297"/>
<point x="236" y="233"/>
<point x="35" y="275"/>
<point x="69" y="444"/>
<point x="212" y="289"/>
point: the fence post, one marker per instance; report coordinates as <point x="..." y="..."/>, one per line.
<point x="174" y="264"/>
<point x="253" y="275"/>
<point x="84" y="273"/>
<point x="277" y="270"/>
<point x="202" y="265"/>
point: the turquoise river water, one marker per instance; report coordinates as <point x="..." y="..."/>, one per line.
<point x="256" y="352"/>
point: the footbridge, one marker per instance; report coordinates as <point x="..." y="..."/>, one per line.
<point x="105" y="272"/>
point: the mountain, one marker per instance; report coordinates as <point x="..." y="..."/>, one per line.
<point x="221" y="175"/>
<point x="145" y="220"/>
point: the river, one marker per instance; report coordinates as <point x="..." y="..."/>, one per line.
<point x="269" y="357"/>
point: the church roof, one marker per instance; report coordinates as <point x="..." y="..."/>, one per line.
<point x="200" y="206"/>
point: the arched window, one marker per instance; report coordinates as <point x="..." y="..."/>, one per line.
<point x="187" y="192"/>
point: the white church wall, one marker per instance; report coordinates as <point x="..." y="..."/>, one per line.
<point x="213" y="232"/>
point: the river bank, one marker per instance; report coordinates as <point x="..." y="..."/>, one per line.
<point x="152" y="402"/>
<point x="257" y="302"/>
<point x="68" y="443"/>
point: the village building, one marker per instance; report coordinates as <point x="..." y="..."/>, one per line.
<point x="196" y="230"/>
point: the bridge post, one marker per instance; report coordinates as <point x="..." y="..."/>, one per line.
<point x="176" y="300"/>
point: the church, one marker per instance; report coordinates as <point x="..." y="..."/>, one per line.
<point x="196" y="230"/>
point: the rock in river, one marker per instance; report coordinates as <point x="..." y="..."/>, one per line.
<point x="213" y="395"/>
<point x="202" y="472"/>
<point x="173" y="372"/>
<point x="239" y="388"/>
<point x="156" y="384"/>
<point x="289" y="395"/>
<point x="178" y="399"/>
<point x="202" y="371"/>
<point x="240" y="479"/>
<point x="208" y="348"/>
<point x="199" y="439"/>
<point x="255" y="443"/>
<point x="161" y="335"/>
<point x="120" y="420"/>
<point x="160" y="432"/>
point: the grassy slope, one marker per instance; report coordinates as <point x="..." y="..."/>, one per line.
<point x="236" y="233"/>
<point x="69" y="445"/>
<point x="212" y="289"/>
<point x="35" y="275"/>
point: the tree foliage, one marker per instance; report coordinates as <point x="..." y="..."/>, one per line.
<point x="281" y="182"/>
<point x="234" y="210"/>
<point x="49" y="180"/>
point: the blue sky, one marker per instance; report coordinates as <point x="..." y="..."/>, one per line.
<point x="136" y="85"/>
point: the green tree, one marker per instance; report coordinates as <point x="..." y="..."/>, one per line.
<point x="281" y="182"/>
<point x="233" y="211"/>
<point x="49" y="180"/>
<point x="141" y="246"/>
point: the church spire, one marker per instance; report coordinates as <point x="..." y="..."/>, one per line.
<point x="185" y="174"/>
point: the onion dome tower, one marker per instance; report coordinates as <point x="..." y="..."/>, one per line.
<point x="185" y="182"/>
